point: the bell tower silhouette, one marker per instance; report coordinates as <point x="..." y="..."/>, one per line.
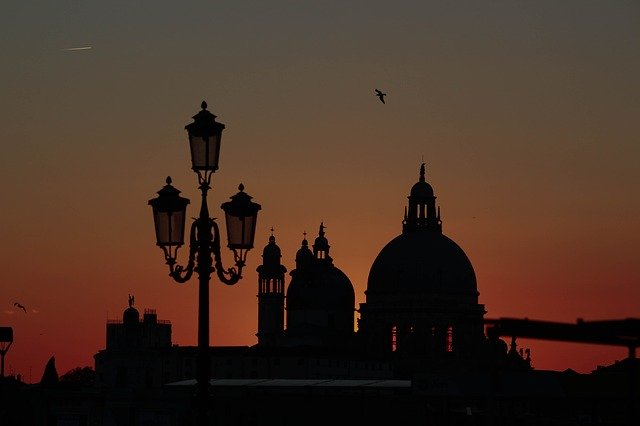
<point x="270" y="295"/>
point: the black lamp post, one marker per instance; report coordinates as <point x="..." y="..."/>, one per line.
<point x="169" y="212"/>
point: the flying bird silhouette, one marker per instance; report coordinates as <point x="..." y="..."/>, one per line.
<point x="380" y="95"/>
<point x="20" y="306"/>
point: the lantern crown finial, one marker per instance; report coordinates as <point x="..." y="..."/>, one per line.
<point x="168" y="180"/>
<point x="203" y="105"/>
<point x="241" y="187"/>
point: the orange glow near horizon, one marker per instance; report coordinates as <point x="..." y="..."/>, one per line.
<point x="525" y="114"/>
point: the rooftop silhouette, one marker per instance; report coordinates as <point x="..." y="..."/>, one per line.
<point x="422" y="351"/>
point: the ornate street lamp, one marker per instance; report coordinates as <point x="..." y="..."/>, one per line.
<point x="241" y="215"/>
<point x="169" y="212"/>
<point x="205" y="135"/>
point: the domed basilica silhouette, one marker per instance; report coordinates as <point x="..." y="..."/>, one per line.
<point x="421" y="313"/>
<point x="421" y="295"/>
<point x="421" y="308"/>
<point x="422" y="351"/>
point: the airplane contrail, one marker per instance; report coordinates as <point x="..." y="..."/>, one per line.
<point x="78" y="48"/>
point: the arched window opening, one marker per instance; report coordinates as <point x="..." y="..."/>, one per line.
<point x="449" y="346"/>
<point x="394" y="338"/>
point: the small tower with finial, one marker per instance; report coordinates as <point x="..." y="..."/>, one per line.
<point x="421" y="213"/>
<point x="321" y="245"/>
<point x="270" y="295"/>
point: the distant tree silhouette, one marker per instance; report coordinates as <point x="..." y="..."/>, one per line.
<point x="50" y="375"/>
<point x="84" y="376"/>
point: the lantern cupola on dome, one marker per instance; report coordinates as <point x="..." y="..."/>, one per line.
<point x="421" y="213"/>
<point x="304" y="256"/>
<point x="321" y="245"/>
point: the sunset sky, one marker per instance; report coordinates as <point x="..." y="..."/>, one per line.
<point x="526" y="114"/>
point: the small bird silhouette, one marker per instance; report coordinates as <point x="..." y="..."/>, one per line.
<point x="20" y="306"/>
<point x="380" y="95"/>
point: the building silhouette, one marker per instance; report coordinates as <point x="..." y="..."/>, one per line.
<point x="421" y="353"/>
<point x="270" y="295"/>
<point x="422" y="297"/>
<point x="320" y="299"/>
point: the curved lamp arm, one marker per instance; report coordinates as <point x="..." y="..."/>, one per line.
<point x="180" y="273"/>
<point x="233" y="274"/>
